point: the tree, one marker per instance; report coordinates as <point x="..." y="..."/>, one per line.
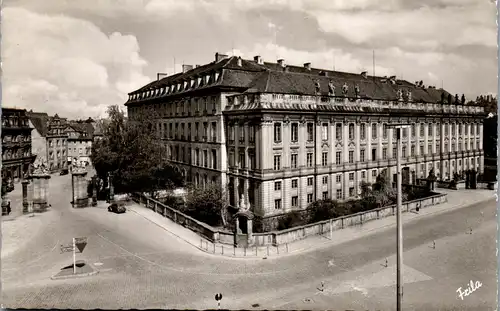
<point x="207" y="204"/>
<point x="132" y="151"/>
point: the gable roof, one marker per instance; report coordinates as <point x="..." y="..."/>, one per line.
<point x="39" y="121"/>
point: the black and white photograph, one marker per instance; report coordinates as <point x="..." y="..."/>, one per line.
<point x="249" y="154"/>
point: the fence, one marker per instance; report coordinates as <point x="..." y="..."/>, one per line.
<point x="276" y="242"/>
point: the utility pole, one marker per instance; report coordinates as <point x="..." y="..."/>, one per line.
<point x="399" y="225"/>
<point x="399" y="204"/>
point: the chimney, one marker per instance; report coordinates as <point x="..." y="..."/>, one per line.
<point x="281" y="62"/>
<point x="363" y="74"/>
<point x="323" y="73"/>
<point x="239" y="61"/>
<point x="197" y="66"/>
<point x="393" y="78"/>
<point x="219" y="57"/>
<point x="307" y="66"/>
<point x="186" y="68"/>
<point x="258" y="59"/>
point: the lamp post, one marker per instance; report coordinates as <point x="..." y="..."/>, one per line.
<point x="399" y="203"/>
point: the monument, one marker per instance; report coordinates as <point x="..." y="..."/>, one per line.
<point x="79" y="187"/>
<point x="244" y="222"/>
<point x="40" y="185"/>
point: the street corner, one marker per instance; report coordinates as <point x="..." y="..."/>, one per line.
<point x="80" y="269"/>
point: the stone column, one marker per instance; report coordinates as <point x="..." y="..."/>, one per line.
<point x="40" y="191"/>
<point x="25" y="196"/>
<point x="79" y="187"/>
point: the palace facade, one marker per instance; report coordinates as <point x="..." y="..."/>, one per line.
<point x="284" y="136"/>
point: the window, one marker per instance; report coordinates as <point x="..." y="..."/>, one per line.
<point x="293" y="160"/>
<point x="362" y="155"/>
<point x="374" y="130"/>
<point x="403" y="152"/>
<point x="351" y="191"/>
<point x="446" y="129"/>
<point x="473" y="129"/>
<point x="277" y="185"/>
<point x="351" y="156"/>
<point x="374" y="154"/>
<point x="338" y="131"/>
<point x="277" y="162"/>
<point x="421" y="149"/>
<point x="362" y="131"/>
<point x="338" y="178"/>
<point x="351" y="131"/>
<point x="277" y="132"/>
<point x="310" y="131"/>
<point x="351" y="176"/>
<point x="413" y="130"/>
<point x="453" y="129"/>
<point x="438" y="129"/>
<point x="277" y="204"/>
<point x="363" y="174"/>
<point x="384" y="153"/>
<point x="295" y="201"/>
<point x="384" y="130"/>
<point x="309" y="159"/>
<point x="422" y="167"/>
<point x="325" y="195"/>
<point x="295" y="183"/>
<point x="242" y="160"/>
<point x="310" y="181"/>
<point x="460" y="129"/>
<point x="374" y="173"/>
<point x="251" y="133"/>
<point x="394" y="150"/>
<point x="295" y="132"/>
<point x="325" y="180"/>
<point x="309" y="198"/>
<point x="338" y="157"/>
<point x="324" y="159"/>
<point x="405" y="132"/>
<point x="324" y="131"/>
<point x="478" y="129"/>
<point x="339" y="194"/>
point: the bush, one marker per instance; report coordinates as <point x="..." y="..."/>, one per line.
<point x="290" y="220"/>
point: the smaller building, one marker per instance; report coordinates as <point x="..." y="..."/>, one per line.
<point x="38" y="121"/>
<point x="16" y="144"/>
<point x="57" y="141"/>
<point x="79" y="142"/>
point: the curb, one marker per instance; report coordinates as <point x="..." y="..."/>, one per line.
<point x="75" y="276"/>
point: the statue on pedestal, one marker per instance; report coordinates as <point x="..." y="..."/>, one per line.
<point x="243" y="206"/>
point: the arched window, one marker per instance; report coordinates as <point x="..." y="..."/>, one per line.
<point x="351" y="131"/>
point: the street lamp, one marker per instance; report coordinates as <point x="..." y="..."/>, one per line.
<point x="399" y="203"/>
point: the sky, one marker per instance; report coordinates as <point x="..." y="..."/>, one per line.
<point x="76" y="57"/>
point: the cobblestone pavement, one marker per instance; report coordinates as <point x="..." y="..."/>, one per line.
<point x="143" y="266"/>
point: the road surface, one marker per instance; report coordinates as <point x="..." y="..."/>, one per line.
<point x="143" y="266"/>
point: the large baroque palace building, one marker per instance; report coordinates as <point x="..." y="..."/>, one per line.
<point x="284" y="136"/>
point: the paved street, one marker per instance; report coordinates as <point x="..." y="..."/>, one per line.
<point x="144" y="266"/>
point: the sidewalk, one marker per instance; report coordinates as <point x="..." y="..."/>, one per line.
<point x="456" y="199"/>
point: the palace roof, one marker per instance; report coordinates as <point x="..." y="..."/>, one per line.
<point x="255" y="76"/>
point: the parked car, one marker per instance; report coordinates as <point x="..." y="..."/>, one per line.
<point x="64" y="172"/>
<point x="117" y="208"/>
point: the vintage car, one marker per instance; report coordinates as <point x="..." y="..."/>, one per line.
<point x="117" y="208"/>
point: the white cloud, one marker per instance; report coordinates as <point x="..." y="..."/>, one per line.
<point x="64" y="65"/>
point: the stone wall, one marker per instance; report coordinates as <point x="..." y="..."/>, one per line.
<point x="285" y="236"/>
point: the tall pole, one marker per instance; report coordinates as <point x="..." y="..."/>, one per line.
<point x="398" y="220"/>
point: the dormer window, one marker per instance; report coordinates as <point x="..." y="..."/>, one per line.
<point x="207" y="79"/>
<point x="217" y="75"/>
<point x="192" y="82"/>
<point x="199" y="81"/>
<point x="185" y="84"/>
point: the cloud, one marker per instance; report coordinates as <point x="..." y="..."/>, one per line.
<point x="60" y="64"/>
